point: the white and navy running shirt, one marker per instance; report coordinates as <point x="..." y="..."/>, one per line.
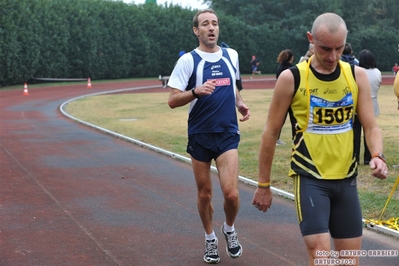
<point x="215" y="113"/>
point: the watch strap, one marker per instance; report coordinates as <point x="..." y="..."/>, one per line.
<point x="379" y="155"/>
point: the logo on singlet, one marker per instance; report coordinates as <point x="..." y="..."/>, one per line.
<point x="222" y="81"/>
<point x="314" y="91"/>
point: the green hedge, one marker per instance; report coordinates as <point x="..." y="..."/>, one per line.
<point x="105" y="39"/>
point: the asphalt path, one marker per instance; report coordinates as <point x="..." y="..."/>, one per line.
<point x="72" y="195"/>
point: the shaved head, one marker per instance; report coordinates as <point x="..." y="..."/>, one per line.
<point x="328" y="35"/>
<point x="328" y="21"/>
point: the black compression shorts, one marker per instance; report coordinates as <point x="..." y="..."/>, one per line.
<point x="328" y="206"/>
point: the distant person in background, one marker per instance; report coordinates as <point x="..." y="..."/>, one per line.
<point x="396" y="88"/>
<point x="285" y="59"/>
<point x="254" y="65"/>
<point x="396" y="91"/>
<point x="308" y="54"/>
<point x="367" y="61"/>
<point x="347" y="55"/>
<point x="395" y="69"/>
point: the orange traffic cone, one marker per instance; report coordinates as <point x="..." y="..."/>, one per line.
<point x="88" y="83"/>
<point x="26" y="89"/>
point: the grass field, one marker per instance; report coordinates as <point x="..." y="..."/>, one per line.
<point x="148" y="118"/>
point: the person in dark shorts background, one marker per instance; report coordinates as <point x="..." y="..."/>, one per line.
<point x="205" y="78"/>
<point x="254" y="65"/>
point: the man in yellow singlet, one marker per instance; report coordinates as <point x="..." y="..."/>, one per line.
<point x="322" y="96"/>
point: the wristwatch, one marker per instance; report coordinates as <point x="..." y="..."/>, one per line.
<point x="379" y="155"/>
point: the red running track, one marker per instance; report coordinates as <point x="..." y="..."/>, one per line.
<point x="72" y="195"/>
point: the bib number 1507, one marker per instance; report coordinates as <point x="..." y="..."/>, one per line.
<point x="332" y="116"/>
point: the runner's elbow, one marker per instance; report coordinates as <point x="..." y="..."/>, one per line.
<point x="172" y="104"/>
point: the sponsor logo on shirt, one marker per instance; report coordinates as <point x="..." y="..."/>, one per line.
<point x="221" y="81"/>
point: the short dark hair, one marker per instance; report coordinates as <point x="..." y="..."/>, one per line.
<point x="347" y="49"/>
<point x="208" y="10"/>
<point x="367" y="59"/>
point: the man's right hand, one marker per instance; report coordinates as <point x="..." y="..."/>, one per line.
<point x="262" y="199"/>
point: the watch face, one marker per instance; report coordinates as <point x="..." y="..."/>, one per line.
<point x="381" y="156"/>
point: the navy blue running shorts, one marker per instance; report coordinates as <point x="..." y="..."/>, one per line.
<point x="328" y="206"/>
<point x="207" y="146"/>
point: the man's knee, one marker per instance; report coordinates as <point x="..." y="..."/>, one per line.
<point x="317" y="243"/>
<point x="231" y="196"/>
<point x="204" y="196"/>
